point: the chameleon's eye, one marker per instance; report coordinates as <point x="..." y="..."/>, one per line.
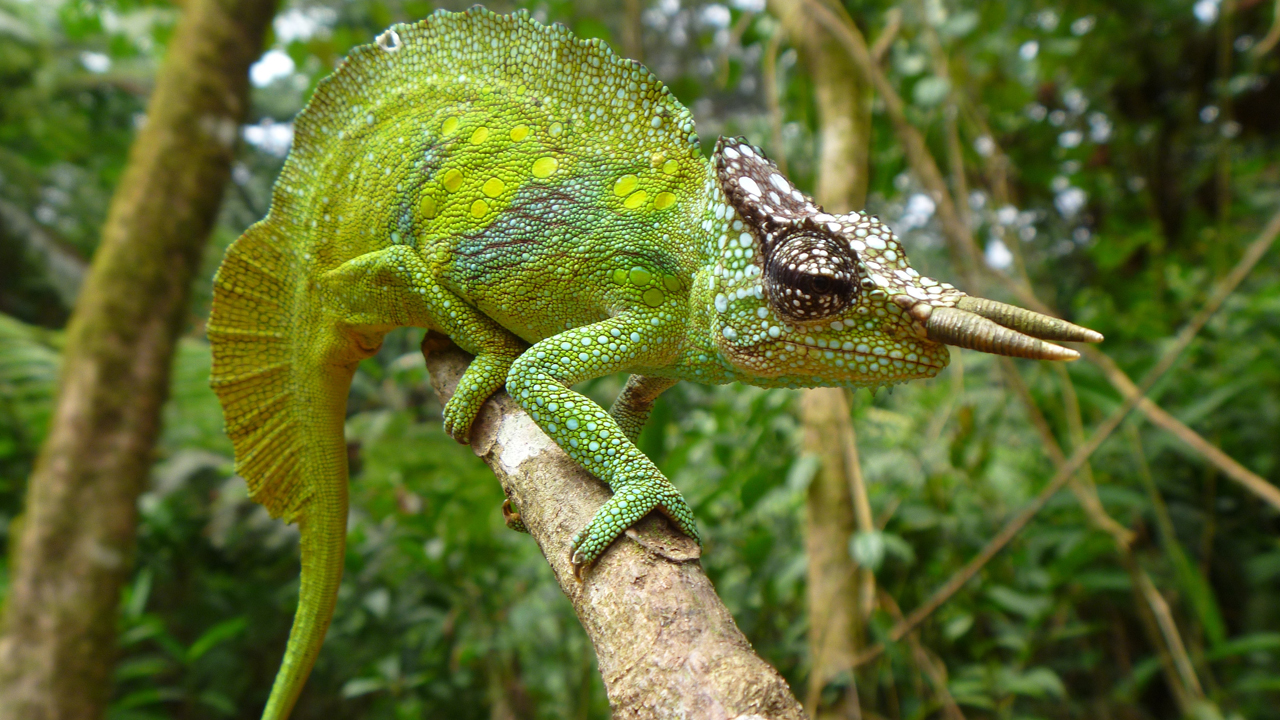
<point x="810" y="277"/>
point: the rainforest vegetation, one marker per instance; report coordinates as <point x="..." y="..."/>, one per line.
<point x="1009" y="540"/>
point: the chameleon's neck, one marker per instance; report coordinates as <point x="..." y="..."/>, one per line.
<point x="700" y="358"/>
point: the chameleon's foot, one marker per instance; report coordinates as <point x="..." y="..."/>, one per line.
<point x="630" y="503"/>
<point x="511" y="517"/>
<point x="485" y="374"/>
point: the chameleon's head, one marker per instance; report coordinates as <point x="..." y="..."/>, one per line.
<point x="802" y="297"/>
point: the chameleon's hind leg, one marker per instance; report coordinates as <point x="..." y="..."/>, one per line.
<point x="540" y="381"/>
<point x="400" y="272"/>
<point x="635" y="403"/>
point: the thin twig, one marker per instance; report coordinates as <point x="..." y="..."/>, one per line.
<point x="1251" y="481"/>
<point x="934" y="669"/>
<point x="1173" y="639"/>
<point x="773" y="95"/>
<point x="1082" y="485"/>
<point x="893" y="24"/>
<point x="1273" y="35"/>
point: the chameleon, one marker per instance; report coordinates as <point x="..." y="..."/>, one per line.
<point x="546" y="205"/>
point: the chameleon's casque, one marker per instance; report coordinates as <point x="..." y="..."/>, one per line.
<point x="545" y="204"/>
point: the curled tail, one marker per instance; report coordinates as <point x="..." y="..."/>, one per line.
<point x="282" y="373"/>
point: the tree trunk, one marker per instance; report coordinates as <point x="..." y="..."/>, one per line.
<point x="838" y="590"/>
<point x="74" y="547"/>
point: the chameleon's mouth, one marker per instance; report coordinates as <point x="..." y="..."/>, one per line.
<point x="868" y="357"/>
<point x="1000" y="329"/>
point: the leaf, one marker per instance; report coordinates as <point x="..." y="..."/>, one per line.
<point x="216" y="635"/>
<point x="362" y="686"/>
<point x="136" y="602"/>
<point x="149" y="696"/>
<point x="931" y="90"/>
<point x="956" y="627"/>
<point x="218" y="701"/>
<point x="1037" y="682"/>
<point x="1028" y="606"/>
<point x="1246" y="645"/>
<point x="801" y="472"/>
<point x="959" y="24"/>
<point x="896" y="546"/>
<point x="867" y="549"/>
<point x="140" y="667"/>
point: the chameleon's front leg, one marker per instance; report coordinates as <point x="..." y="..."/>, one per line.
<point x="631" y="411"/>
<point x="540" y="380"/>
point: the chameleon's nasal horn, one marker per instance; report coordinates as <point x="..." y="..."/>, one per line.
<point x="1001" y="329"/>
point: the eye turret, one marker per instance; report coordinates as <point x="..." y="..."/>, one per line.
<point x="809" y="276"/>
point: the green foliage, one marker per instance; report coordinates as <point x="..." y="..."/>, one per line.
<point x="1138" y="168"/>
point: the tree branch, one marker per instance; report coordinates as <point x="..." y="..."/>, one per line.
<point x="667" y="646"/>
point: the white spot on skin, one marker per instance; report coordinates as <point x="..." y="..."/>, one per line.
<point x="749" y="185"/>
<point x="389" y="41"/>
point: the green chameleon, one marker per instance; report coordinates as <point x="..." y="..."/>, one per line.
<point x="545" y="204"/>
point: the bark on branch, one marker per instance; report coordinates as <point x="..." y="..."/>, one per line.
<point x="667" y="646"/>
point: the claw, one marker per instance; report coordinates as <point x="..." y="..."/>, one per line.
<point x="511" y="517"/>
<point x="578" y="563"/>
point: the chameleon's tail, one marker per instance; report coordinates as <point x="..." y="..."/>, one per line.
<point x="282" y="373"/>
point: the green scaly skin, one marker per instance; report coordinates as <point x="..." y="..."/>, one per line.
<point x="545" y="204"/>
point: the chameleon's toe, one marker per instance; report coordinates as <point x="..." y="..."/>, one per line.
<point x="457" y="422"/>
<point x="484" y="376"/>
<point x="623" y="510"/>
<point x="672" y="505"/>
<point x="511" y="517"/>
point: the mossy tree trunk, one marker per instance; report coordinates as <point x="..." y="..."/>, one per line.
<point x="838" y="591"/>
<point x="74" y="548"/>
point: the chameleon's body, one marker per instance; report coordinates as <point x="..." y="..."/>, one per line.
<point x="543" y="203"/>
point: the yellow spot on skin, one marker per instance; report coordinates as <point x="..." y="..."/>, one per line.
<point x="670" y="167"/>
<point x="479" y="208"/>
<point x="635" y="200"/>
<point x="671" y="282"/>
<point x="625" y="185"/>
<point x="653" y="297"/>
<point x="452" y="180"/>
<point x="556" y="129"/>
<point x="493" y="187"/>
<point x="639" y="276"/>
<point x="664" y="200"/>
<point x="480" y="135"/>
<point x="519" y="132"/>
<point x="449" y="126"/>
<point x="620" y="276"/>
<point x="427" y="208"/>
<point x="543" y="167"/>
<point x="656" y="159"/>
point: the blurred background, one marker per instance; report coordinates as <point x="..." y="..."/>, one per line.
<point x="1113" y="162"/>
